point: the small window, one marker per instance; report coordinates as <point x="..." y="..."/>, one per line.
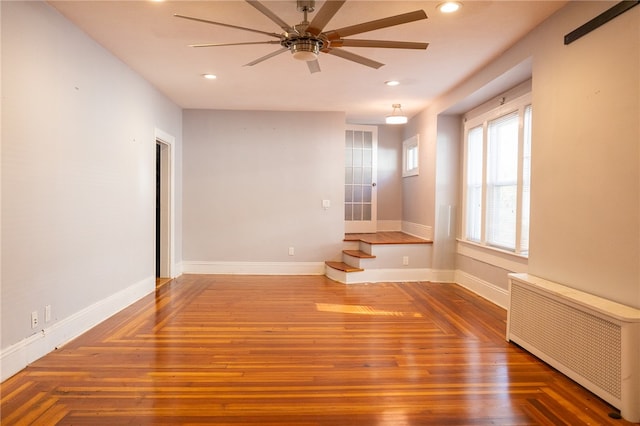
<point x="410" y="157"/>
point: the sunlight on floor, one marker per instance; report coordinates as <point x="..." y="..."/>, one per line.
<point x="363" y="310"/>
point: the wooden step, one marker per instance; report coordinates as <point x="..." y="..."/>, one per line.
<point x="359" y="254"/>
<point x="341" y="266"/>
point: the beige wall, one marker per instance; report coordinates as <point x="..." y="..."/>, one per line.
<point x="448" y="151"/>
<point x="78" y="179"/>
<point x="418" y="200"/>
<point x="585" y="170"/>
<point x="390" y="172"/>
<point x="254" y="184"/>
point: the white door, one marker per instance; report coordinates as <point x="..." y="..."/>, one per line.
<point x="360" y="195"/>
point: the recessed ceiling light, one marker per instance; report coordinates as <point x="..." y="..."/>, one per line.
<point x="392" y="82"/>
<point x="449" y="6"/>
<point x="209" y="76"/>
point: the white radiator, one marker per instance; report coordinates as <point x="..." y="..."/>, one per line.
<point x="594" y="341"/>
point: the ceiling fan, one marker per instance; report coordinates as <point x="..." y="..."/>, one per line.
<point x="307" y="39"/>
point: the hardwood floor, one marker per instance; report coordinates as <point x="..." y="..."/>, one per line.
<point x="162" y="281"/>
<point x="273" y="350"/>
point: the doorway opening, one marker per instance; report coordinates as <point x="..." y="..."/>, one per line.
<point x="163" y="219"/>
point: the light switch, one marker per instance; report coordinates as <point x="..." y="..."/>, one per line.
<point x="326" y="204"/>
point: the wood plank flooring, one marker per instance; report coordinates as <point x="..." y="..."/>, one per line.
<point x="272" y="350"/>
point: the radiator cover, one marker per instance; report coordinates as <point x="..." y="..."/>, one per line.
<point x="593" y="341"/>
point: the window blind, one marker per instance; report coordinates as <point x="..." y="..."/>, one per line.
<point x="502" y="180"/>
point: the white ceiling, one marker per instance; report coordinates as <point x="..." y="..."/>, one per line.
<point x="146" y="36"/>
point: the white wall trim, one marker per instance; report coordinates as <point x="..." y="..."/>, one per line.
<point x="253" y="268"/>
<point x="509" y="261"/>
<point x="16" y="357"/>
<point x="485" y="289"/>
<point x="443" y="276"/>
<point x="417" y="230"/>
<point x="169" y="141"/>
<point x="177" y="269"/>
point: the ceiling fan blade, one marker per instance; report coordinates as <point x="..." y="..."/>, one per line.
<point x="314" y="66"/>
<point x="353" y="57"/>
<point x="227" y="25"/>
<point x="269" y="14"/>
<point x="376" y="25"/>
<point x="265" y="57"/>
<point x="234" y="44"/>
<point x="379" y="43"/>
<point x="324" y="15"/>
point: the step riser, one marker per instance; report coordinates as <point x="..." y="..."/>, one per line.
<point x="358" y="262"/>
<point x="393" y="256"/>
<point x="366" y="247"/>
<point x="351" y="245"/>
<point x="379" y="275"/>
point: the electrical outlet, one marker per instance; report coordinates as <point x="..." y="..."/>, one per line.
<point x="47" y="313"/>
<point x="292" y="251"/>
<point x="405" y="260"/>
<point x="34" y="319"/>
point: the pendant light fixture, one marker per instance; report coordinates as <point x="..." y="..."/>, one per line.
<point x="397" y="116"/>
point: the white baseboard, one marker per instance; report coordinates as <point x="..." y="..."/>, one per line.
<point x="443" y="276"/>
<point x="254" y="268"/>
<point x="176" y="270"/>
<point x="417" y="230"/>
<point x="16" y="357"/>
<point x="482" y="288"/>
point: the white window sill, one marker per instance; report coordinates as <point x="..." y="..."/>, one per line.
<point x="493" y="256"/>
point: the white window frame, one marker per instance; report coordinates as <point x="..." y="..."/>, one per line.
<point x="411" y="156"/>
<point x="519" y="105"/>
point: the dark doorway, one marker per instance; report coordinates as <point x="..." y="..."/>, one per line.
<point x="158" y="207"/>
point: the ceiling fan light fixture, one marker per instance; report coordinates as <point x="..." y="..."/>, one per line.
<point x="397" y="116"/>
<point x="305" y="50"/>
<point x="449" y="6"/>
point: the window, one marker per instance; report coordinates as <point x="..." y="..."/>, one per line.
<point x="497" y="177"/>
<point x="410" y="157"/>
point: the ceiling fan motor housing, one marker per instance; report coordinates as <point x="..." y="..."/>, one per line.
<point x="305" y="48"/>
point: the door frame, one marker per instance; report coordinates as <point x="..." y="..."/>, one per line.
<point x="369" y="226"/>
<point x="166" y="245"/>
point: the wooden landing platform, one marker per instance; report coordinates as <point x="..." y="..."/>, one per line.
<point x="389" y="237"/>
